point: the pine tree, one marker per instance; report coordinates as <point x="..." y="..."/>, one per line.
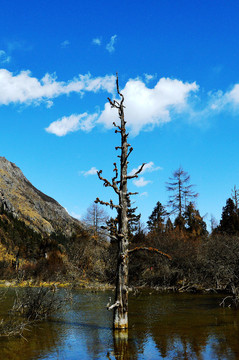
<point x="133" y="219"/>
<point x="194" y="223"/>
<point x="156" y="219"/>
<point x="230" y="219"/>
<point x="169" y="226"/>
<point x="179" y="223"/>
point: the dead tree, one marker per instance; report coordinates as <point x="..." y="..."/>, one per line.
<point x="119" y="185"/>
<point x="181" y="192"/>
<point x="119" y="225"/>
<point x="235" y="196"/>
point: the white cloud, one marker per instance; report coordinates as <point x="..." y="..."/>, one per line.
<point x="149" y="167"/>
<point x="141" y="182"/>
<point x="65" y="43"/>
<point x="96" y="41"/>
<point x="72" y="123"/>
<point x="49" y="104"/>
<point x="233" y="95"/>
<point x="143" y="194"/>
<point x="148" y="77"/>
<point x="24" y="88"/>
<point x="219" y="100"/>
<point x="146" y="108"/>
<point x="111" y="44"/>
<point x="4" y="58"/>
<point x="92" y="171"/>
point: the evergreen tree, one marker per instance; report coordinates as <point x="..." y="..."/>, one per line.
<point x="230" y="219"/>
<point x="194" y="223"/>
<point x="133" y="219"/>
<point x="179" y="223"/>
<point x="140" y="234"/>
<point x="169" y="226"/>
<point x="156" y="219"/>
<point x="133" y="223"/>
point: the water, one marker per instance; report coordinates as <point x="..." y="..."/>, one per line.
<point x="162" y="326"/>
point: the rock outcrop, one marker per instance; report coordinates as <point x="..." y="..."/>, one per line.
<point x="39" y="211"/>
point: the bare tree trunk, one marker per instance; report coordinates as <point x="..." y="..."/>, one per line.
<point x="121" y="234"/>
<point x="121" y="296"/>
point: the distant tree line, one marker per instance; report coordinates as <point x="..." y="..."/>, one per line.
<point x="199" y="259"/>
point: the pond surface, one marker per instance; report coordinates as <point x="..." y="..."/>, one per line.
<point x="162" y="326"/>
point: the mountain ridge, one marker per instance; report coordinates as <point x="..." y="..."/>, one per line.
<point x="24" y="201"/>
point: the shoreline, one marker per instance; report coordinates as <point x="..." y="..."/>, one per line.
<point x="81" y="284"/>
<point x="97" y="286"/>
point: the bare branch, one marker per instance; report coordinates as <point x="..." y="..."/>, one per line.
<point x="117" y="103"/>
<point x="115" y="125"/>
<point x="116" y="172"/>
<point x="130" y="193"/>
<point x="117" y="304"/>
<point x="130" y="151"/>
<point x="112" y="103"/>
<point x="150" y="249"/>
<point x="112" y="236"/>
<point x="110" y="204"/>
<point x="107" y="183"/>
<point x="137" y="172"/>
<point x="114" y="183"/>
<point x="117" y="86"/>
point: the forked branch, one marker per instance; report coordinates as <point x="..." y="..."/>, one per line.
<point x="107" y="183"/>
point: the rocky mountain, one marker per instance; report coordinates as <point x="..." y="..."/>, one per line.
<point x="39" y="211"/>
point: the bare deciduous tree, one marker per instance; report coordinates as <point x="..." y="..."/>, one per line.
<point x="181" y="190"/>
<point x="235" y="196"/>
<point x="119" y="185"/>
<point x="95" y="218"/>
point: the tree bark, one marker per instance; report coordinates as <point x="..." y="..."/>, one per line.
<point x="121" y="296"/>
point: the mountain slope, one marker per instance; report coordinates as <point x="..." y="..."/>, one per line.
<point x="39" y="211"/>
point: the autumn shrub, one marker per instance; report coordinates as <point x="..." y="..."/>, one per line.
<point x="219" y="261"/>
<point x="87" y="257"/>
<point x="39" y="303"/>
<point x="210" y="262"/>
<point x="6" y="270"/>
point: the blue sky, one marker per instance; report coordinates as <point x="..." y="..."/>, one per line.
<point x="178" y="69"/>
